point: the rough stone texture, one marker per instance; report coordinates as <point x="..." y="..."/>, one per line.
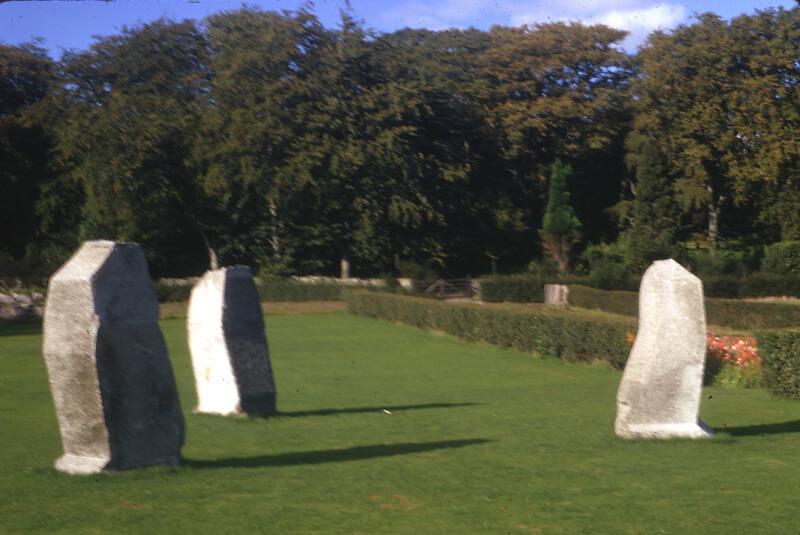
<point x="230" y="356"/>
<point x="556" y="294"/>
<point x="110" y="375"/>
<point x="659" y="396"/>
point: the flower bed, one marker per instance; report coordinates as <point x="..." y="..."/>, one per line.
<point x="733" y="361"/>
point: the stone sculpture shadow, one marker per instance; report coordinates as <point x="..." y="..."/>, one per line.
<point x="377" y="409"/>
<point x="781" y="428"/>
<point x="357" y="453"/>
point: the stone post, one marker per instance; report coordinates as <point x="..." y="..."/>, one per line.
<point x="230" y="357"/>
<point x="109" y="372"/>
<point x="556" y="294"/>
<point x="659" y="396"/>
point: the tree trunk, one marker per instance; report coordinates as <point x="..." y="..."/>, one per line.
<point x="344" y="267"/>
<point x="213" y="261"/>
<point x="714" y="208"/>
<point x="275" y="240"/>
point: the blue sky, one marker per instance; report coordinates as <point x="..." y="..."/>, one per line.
<point x="70" y="24"/>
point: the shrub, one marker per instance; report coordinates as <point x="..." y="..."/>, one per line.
<point x="617" y="302"/>
<point x="288" y="290"/>
<point x="173" y="291"/>
<point x="722" y="262"/>
<point x="751" y="315"/>
<point x="554" y="333"/>
<point x="727" y="312"/>
<point x="269" y="290"/>
<point x="769" y="284"/>
<point x="514" y="288"/>
<point x="522" y="288"/>
<point x="781" y="354"/>
<point x="782" y="258"/>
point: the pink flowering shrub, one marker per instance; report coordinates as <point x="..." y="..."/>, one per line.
<point x="733" y="361"/>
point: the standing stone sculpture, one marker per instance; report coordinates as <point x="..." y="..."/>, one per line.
<point x="659" y="396"/>
<point x="229" y="350"/>
<point x="109" y="372"/>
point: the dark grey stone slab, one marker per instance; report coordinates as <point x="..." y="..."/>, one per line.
<point x="109" y="371"/>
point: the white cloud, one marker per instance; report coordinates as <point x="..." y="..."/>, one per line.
<point x="436" y="14"/>
<point x="639" y="17"/>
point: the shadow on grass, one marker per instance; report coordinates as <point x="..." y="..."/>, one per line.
<point x="20" y="327"/>
<point x="360" y="410"/>
<point x="358" y="453"/>
<point x="763" y="429"/>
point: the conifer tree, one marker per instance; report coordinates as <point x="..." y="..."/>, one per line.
<point x="560" y="228"/>
<point x="656" y="213"/>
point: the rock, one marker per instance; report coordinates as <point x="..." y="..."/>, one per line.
<point x="229" y="348"/>
<point x="109" y="372"/>
<point x="23" y="301"/>
<point x="8" y="307"/>
<point x="659" y="396"/>
<point x="556" y="294"/>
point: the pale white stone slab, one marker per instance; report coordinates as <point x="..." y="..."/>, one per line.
<point x="230" y="356"/>
<point x="659" y="395"/>
<point x="107" y="363"/>
<point x="556" y="294"/>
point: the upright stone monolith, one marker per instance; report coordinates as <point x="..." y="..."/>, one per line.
<point x="109" y="372"/>
<point x="230" y="356"/>
<point x="659" y="396"/>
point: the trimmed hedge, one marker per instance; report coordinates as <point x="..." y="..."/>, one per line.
<point x="615" y="301"/>
<point x="172" y="292"/>
<point x="270" y="290"/>
<point x="526" y="288"/>
<point x="781" y="354"/>
<point x="569" y="335"/>
<point x="726" y="312"/>
<point x="286" y="290"/>
<point x="522" y="288"/>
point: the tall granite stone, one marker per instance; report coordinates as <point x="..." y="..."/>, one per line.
<point x="229" y="350"/>
<point x="659" y="396"/>
<point x="110" y="375"/>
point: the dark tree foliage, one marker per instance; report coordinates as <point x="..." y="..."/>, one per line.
<point x="656" y="214"/>
<point x="26" y="77"/>
<point x="266" y="138"/>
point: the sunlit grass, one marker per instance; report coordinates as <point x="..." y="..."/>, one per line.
<point x="478" y="440"/>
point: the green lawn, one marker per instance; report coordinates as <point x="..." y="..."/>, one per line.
<point x="480" y="440"/>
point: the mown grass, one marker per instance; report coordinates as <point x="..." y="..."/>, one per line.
<point x="479" y="440"/>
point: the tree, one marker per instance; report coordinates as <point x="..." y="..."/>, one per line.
<point x="723" y="100"/>
<point x="655" y="224"/>
<point x="131" y="107"/>
<point x="263" y="63"/>
<point x="559" y="91"/>
<point x="560" y="227"/>
<point x="360" y="132"/>
<point x="26" y="77"/>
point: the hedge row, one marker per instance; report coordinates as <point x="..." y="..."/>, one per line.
<point x="269" y="290"/>
<point x="781" y="354"/>
<point x="569" y="335"/>
<point x="733" y="313"/>
<point x="521" y="288"/>
<point x="529" y="288"/>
